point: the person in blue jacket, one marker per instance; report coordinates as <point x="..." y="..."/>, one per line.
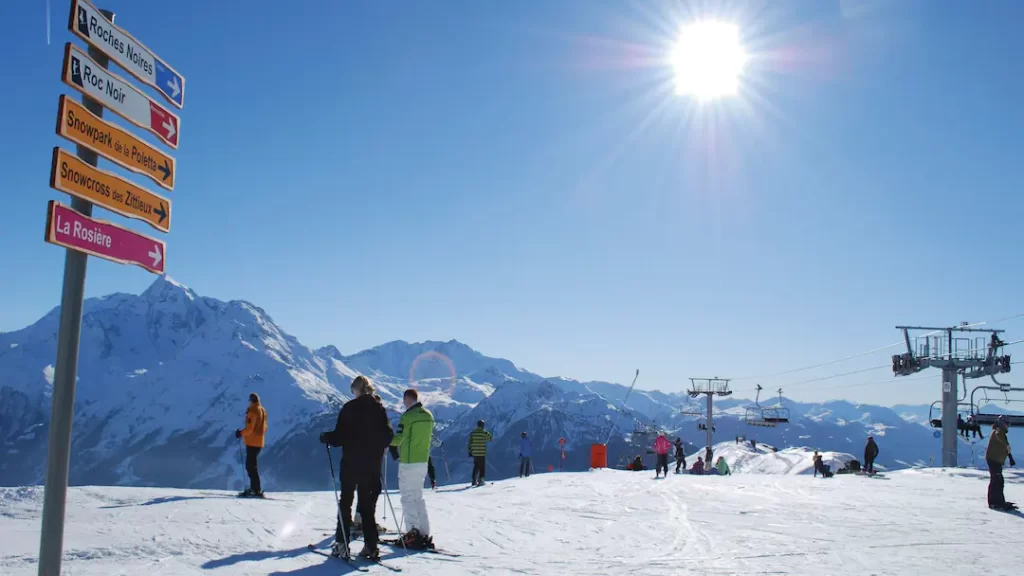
<point x="525" y="450"/>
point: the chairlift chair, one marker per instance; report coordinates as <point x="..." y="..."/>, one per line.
<point x="768" y="417"/>
<point x="989" y="418"/>
<point x="777" y="414"/>
<point x="963" y="408"/>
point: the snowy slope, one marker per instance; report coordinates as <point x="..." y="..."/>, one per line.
<point x="745" y="459"/>
<point x="599" y="523"/>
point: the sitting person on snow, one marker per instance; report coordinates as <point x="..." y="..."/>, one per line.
<point x="723" y="467"/>
<point x="638" y="464"/>
<point x="698" y="466"/>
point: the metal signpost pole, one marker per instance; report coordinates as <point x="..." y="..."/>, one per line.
<point x="51" y="545"/>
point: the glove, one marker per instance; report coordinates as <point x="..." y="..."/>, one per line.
<point x="323" y="437"/>
<point x="393" y="450"/>
<point x="238" y="433"/>
<point x="1012" y="463"/>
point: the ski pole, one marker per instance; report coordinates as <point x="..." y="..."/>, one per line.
<point x="384" y="480"/>
<point x="337" y="499"/>
<point x="398" y="526"/>
<point x="241" y="463"/>
<point x="445" y="462"/>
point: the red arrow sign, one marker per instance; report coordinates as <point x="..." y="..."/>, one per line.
<point x="70" y="229"/>
<point x="164" y="123"/>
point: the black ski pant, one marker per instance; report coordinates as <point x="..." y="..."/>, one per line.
<point x="479" y="468"/>
<point x="662" y="465"/>
<point x="367" y="486"/>
<point x="524" y="466"/>
<point x="869" y="464"/>
<point x="430" y="471"/>
<point x="995" y="484"/>
<point x="251" y="453"/>
<point x="680" y="463"/>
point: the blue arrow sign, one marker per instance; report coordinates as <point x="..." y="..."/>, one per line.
<point x="170" y="83"/>
<point x="89" y="24"/>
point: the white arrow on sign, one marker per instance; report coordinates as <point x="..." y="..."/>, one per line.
<point x="155" y="255"/>
<point x="170" y="129"/>
<point x="175" y="88"/>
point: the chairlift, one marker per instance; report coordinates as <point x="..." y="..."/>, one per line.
<point x="989" y="418"/>
<point x="767" y="416"/>
<point x="777" y="414"/>
<point x="935" y="407"/>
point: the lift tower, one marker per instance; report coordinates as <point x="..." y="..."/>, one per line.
<point x="971" y="356"/>
<point x="709" y="387"/>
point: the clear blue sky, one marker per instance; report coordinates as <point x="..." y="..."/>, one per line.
<point x="519" y="176"/>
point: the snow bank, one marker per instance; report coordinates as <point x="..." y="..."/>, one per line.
<point x="602" y="523"/>
<point x="743" y="459"/>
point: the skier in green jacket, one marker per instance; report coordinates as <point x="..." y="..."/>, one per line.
<point x="478" y="440"/>
<point x="411" y="447"/>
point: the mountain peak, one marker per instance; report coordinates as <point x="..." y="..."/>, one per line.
<point x="330" y="351"/>
<point x="166" y="289"/>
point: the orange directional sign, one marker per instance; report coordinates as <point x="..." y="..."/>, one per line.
<point x="123" y="148"/>
<point x="70" y="174"/>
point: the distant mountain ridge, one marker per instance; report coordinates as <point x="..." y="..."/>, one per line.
<point x="164" y="376"/>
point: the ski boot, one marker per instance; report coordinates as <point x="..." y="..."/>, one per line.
<point x="370" y="553"/>
<point x="340" y="550"/>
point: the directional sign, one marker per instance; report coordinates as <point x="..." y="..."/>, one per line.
<point x="81" y="126"/>
<point x="70" y="174"/>
<point x="66" y="227"/>
<point x="87" y="22"/>
<point x="85" y="75"/>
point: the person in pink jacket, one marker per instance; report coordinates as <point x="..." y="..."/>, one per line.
<point x="662" y="447"/>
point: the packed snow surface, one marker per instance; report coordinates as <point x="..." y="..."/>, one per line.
<point x="607" y="522"/>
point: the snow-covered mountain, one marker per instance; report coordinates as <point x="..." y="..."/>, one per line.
<point x="164" y="376"/>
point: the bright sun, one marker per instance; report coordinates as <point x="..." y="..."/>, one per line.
<point x="708" y="60"/>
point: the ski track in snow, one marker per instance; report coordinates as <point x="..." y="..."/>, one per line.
<point x="604" y="522"/>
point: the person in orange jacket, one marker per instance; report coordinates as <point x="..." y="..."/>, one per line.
<point x="254" y="432"/>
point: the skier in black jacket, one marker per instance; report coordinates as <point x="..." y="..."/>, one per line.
<point x="870" y="453"/>
<point x="363" y="432"/>
<point x="680" y="456"/>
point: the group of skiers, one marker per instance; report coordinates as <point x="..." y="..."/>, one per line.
<point x="662" y="447"/>
<point x="969" y="427"/>
<point x="364" y="433"/>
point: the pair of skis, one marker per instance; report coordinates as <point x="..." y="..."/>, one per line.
<point x="355" y="561"/>
<point x="352" y="561"/>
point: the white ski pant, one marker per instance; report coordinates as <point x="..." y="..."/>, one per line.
<point x="410" y="485"/>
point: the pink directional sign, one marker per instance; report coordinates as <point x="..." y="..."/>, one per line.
<point x="70" y="229"/>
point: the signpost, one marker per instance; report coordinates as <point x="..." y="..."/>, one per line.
<point x="85" y="75"/>
<point x="88" y="24"/>
<point x="70" y="174"/>
<point x="84" y="128"/>
<point x="74" y="228"/>
<point x="67" y="228"/>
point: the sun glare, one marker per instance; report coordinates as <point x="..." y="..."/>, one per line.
<point x="708" y="60"/>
